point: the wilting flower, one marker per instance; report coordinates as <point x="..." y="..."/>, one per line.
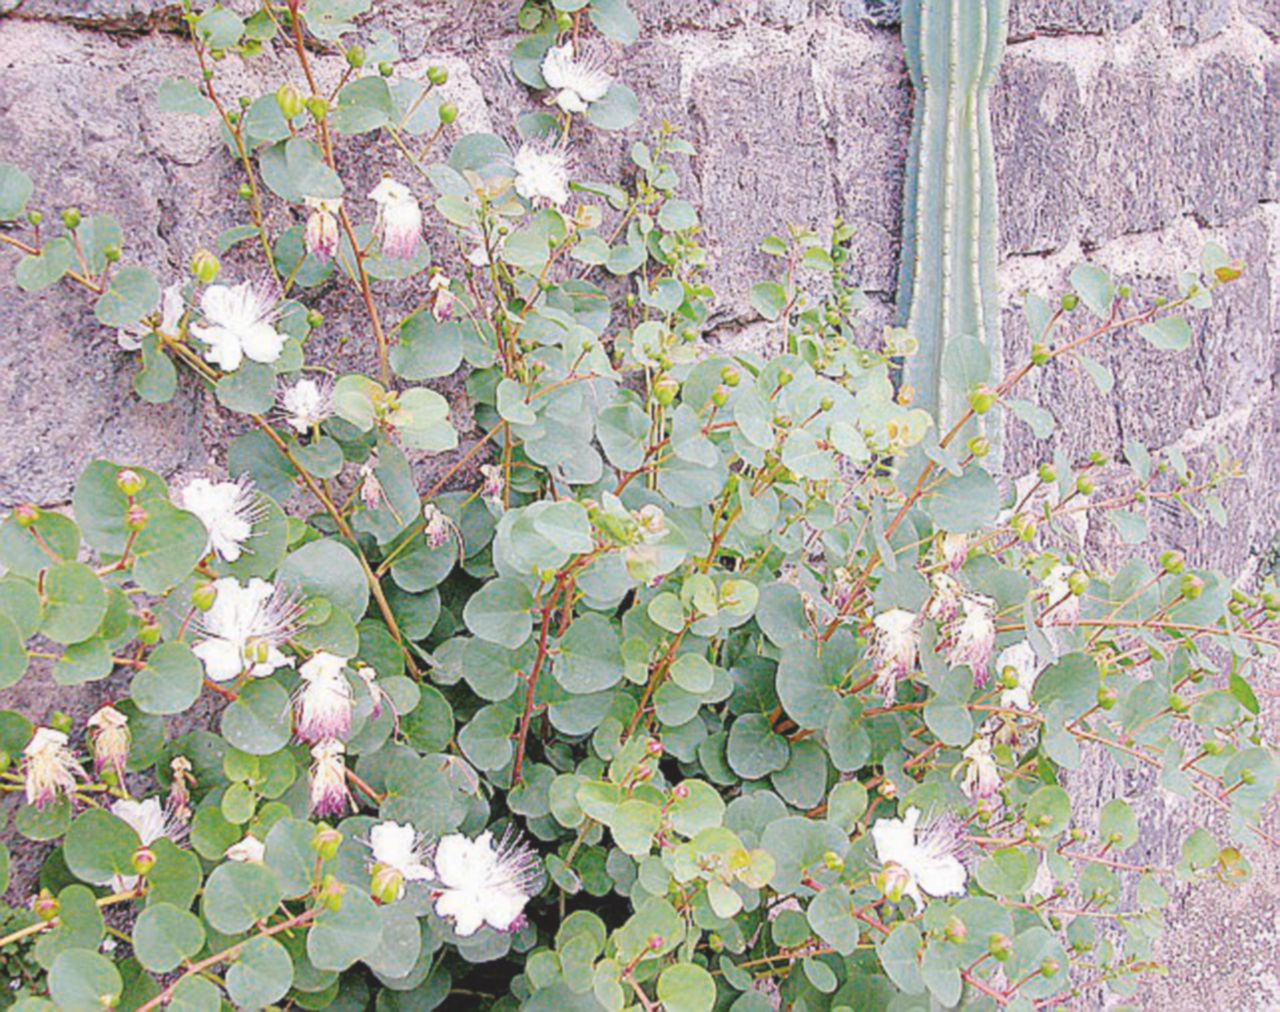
<point x="110" y="739"/>
<point x="371" y="491"/>
<point x="955" y="550"/>
<point x="929" y="855"/>
<point x="178" y="804"/>
<point x="542" y="174"/>
<point x="1022" y="660"/>
<point x="398" y="856"/>
<point x="944" y="603"/>
<point x="399" y="222"/>
<point x="322" y="704"/>
<point x="49" y="768"/>
<point x="244" y="629"/>
<point x="228" y="510"/>
<point x="894" y="647"/>
<point x="239" y="322"/>
<point x="152" y="822"/>
<point x="1059" y="596"/>
<point x="250" y="850"/>
<point x="973" y="637"/>
<point x="441" y="295"/>
<point x="982" y="779"/>
<point x="485" y="882"/>
<point x="843" y="587"/>
<point x="652" y="522"/>
<point x="330" y="796"/>
<point x="577" y="81"/>
<point x="492" y="489"/>
<point x="435" y="525"/>
<point x="322" y="227"/>
<point x="306" y="404"/>
<point x="171" y="308"/>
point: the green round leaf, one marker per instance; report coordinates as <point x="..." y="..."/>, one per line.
<point x="261" y="975"/>
<point x="164" y="936"/>
<point x="238" y="895"/>
<point x="75" y="602"/>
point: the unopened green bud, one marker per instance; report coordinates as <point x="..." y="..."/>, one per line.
<point x="318" y="107"/>
<point x="205" y="266"/>
<point x="60" y="720"/>
<point x="149" y="634"/>
<point x="656" y="942"/>
<point x="26" y="515"/>
<point x="112" y="253"/>
<point x="720" y="396"/>
<point x="448" y="113"/>
<point x="1078" y="583"/>
<point x="563" y="21"/>
<point x="331" y="893"/>
<point x="1248" y="777"/>
<point x="71" y="218"/>
<point x="438" y="75"/>
<point x="1040" y="354"/>
<point x="665" y="388"/>
<point x="1097" y="458"/>
<point x="833" y="861"/>
<point x="1000" y="946"/>
<point x="979" y="446"/>
<point x="135" y="517"/>
<point x="46" y="906"/>
<point x="1214" y="746"/>
<point x="1173" y="562"/>
<point x="730" y="376"/>
<point x="326" y="842"/>
<point x="715" y="943"/>
<point x="1048" y="474"/>
<point x="982" y="400"/>
<point x="387" y="884"/>
<point x="1070" y="301"/>
<point x="355" y="57"/>
<point x="785" y="376"/>
<point x="1108" y="697"/>
<point x="956" y="930"/>
<point x="1191" y="586"/>
<point x="386" y="69"/>
<point x="143" y="860"/>
<point x="314" y="318"/>
<point x="203" y="595"/>
<point x="1178" y="703"/>
<point x="1084" y="485"/>
<point x="35" y="217"/>
<point x="827" y="403"/>
<point x="893" y="881"/>
<point x="290" y="100"/>
<point x="244" y="191"/>
<point x="1050" y="967"/>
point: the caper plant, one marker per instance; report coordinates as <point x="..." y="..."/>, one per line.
<point x="667" y="692"/>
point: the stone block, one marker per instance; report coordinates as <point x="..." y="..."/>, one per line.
<point x="1037" y="120"/>
<point x="870" y="110"/>
<point x="1263" y="13"/>
<point x="760" y="165"/>
<point x="1031" y="17"/>
<point x="1221" y="163"/>
<point x="1195" y="21"/>
<point x="1130" y="162"/>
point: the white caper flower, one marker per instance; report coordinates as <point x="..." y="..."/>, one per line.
<point x="239" y="323"/>
<point x="576" y="79"/>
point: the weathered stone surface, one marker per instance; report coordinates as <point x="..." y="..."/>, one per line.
<point x="103" y="15"/>
<point x="1131" y="160"/>
<point x="1263" y="13"/>
<point x="870" y="121"/>
<point x="1028" y="17"/>
<point x="1193" y="21"/>
<point x="1037" y="122"/>
<point x="759" y="167"/>
<point x="1223" y="163"/>
<point x="881" y="13"/>
<point x="1272" y="129"/>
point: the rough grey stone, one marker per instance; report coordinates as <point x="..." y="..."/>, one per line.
<point x="103" y="15"/>
<point x="1037" y="122"/>
<point x="1272" y="128"/>
<point x="1263" y="13"/>
<point x="703" y="15"/>
<point x="1131" y="157"/>
<point x="1030" y="17"/>
<point x="759" y="168"/>
<point x="1222" y="164"/>
<point x="881" y="13"/>
<point x="1193" y="21"/>
<point x="870" y="107"/>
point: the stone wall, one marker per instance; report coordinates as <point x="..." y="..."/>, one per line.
<point x="1130" y="131"/>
